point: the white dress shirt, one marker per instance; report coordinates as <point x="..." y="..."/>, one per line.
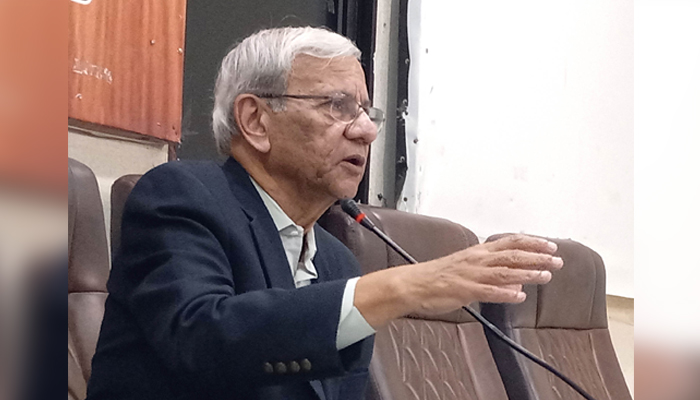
<point x="301" y="249"/>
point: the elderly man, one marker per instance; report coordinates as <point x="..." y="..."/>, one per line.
<point x="225" y="287"/>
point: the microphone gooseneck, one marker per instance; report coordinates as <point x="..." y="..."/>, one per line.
<point x="351" y="208"/>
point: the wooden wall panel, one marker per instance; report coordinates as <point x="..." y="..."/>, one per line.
<point x="126" y="64"/>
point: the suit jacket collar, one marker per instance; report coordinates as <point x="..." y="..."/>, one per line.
<point x="242" y="188"/>
<point x="265" y="230"/>
<point x="269" y="245"/>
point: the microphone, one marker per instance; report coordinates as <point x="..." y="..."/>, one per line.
<point x="351" y="208"/>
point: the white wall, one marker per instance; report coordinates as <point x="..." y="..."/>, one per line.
<point x="523" y="115"/>
<point x="667" y="165"/>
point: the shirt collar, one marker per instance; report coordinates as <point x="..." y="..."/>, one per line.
<point x="283" y="222"/>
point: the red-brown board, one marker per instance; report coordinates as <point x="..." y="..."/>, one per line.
<point x="125" y="64"/>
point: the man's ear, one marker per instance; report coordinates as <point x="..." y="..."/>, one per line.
<point x="252" y="116"/>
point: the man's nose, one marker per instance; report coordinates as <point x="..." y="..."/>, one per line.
<point x="362" y="128"/>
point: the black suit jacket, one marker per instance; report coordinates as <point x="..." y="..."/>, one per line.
<point x="202" y="303"/>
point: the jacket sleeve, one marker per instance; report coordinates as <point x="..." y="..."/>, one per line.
<point x="173" y="274"/>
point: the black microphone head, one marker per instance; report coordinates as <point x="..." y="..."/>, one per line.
<point x="350" y="207"/>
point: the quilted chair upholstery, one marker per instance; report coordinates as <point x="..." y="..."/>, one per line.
<point x="565" y="323"/>
<point x="420" y="357"/>
<point x="88" y="270"/>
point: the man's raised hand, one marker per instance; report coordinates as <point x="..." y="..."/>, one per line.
<point x="490" y="272"/>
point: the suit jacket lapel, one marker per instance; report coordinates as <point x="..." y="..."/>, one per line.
<point x="321" y="261"/>
<point x="318" y="388"/>
<point x="269" y="245"/>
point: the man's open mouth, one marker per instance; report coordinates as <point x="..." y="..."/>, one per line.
<point x="356" y="160"/>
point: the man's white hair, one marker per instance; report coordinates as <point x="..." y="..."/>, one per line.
<point x="261" y="63"/>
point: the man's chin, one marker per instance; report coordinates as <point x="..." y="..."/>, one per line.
<point x="346" y="191"/>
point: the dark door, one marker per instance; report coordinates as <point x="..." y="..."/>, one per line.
<point x="214" y="26"/>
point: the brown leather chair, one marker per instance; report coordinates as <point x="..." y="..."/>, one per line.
<point x="565" y="323"/>
<point x="420" y="357"/>
<point x="88" y="269"/>
<point x="121" y="188"/>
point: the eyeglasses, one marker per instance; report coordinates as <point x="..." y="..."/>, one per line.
<point x="343" y="108"/>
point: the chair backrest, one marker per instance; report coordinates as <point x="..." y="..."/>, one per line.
<point x="564" y="323"/>
<point x="121" y="188"/>
<point x="420" y="357"/>
<point x="88" y="269"/>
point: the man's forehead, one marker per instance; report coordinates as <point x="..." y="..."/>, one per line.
<point x="340" y="74"/>
<point x="329" y="64"/>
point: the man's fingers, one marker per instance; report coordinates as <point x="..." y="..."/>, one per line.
<point x="503" y="276"/>
<point x="524" y="259"/>
<point x="496" y="294"/>
<point x="522" y="242"/>
<point x="517" y="288"/>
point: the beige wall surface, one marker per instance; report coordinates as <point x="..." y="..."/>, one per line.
<point x="111" y="157"/>
<point x="621" y="324"/>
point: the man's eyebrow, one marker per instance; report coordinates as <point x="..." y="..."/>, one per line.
<point x="364" y="103"/>
<point x="343" y="94"/>
<point x="340" y="93"/>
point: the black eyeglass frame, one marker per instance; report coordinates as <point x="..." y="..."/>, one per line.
<point x="370" y="111"/>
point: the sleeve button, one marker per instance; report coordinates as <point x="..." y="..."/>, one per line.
<point x="267" y="367"/>
<point x="280" y="368"/>
<point x="305" y="365"/>
<point x="294" y="367"/>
